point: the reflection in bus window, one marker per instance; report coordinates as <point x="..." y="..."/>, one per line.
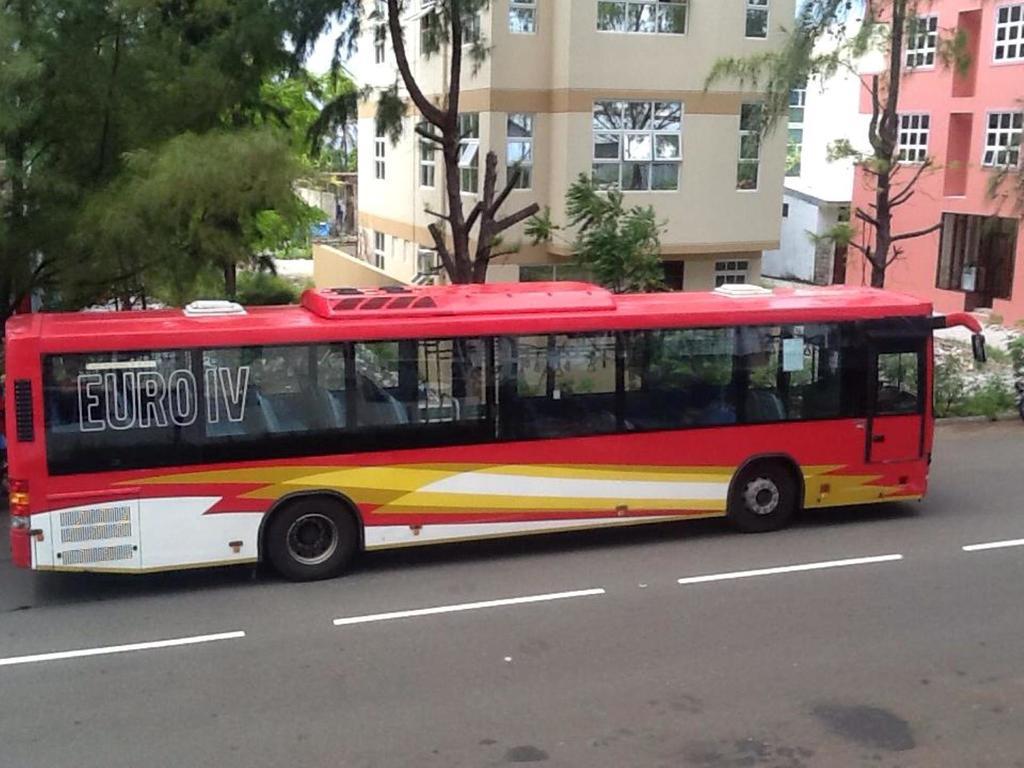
<point x="680" y="378"/>
<point x="559" y="385"/>
<point x="420" y="382"/>
<point x="897" y="383"/>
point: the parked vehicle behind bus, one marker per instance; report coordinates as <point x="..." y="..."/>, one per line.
<point x="368" y="419"/>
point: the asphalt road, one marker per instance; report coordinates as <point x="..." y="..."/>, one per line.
<point x="915" y="660"/>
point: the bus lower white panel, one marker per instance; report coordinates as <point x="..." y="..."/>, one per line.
<point x="93" y="537"/>
<point x="177" y="532"/>
<point x="385" y="536"/>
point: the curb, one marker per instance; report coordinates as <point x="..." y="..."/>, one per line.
<point x="1005" y="416"/>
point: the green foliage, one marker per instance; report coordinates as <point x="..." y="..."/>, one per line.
<point x="263" y="288"/>
<point x="1016" y="350"/>
<point x="87" y="91"/>
<point x="213" y="200"/>
<point x="953" y="395"/>
<point x="620" y="246"/>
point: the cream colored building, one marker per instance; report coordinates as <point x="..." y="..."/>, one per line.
<point x="610" y="88"/>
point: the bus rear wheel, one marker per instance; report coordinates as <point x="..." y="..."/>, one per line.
<point x="763" y="497"/>
<point x="311" y="539"/>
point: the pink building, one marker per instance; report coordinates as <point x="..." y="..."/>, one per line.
<point x="971" y="125"/>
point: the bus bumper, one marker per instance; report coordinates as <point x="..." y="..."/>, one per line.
<point x="21" y="543"/>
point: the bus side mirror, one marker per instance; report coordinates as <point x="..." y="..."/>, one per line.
<point x="978" y="346"/>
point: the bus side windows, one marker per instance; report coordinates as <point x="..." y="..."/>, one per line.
<point x="679" y="378"/>
<point x="420" y="382"/>
<point x="562" y="385"/>
<point x="897" y="390"/>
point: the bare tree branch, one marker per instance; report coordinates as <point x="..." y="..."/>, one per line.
<point x="441" y="246"/>
<point x="917" y="233"/>
<point x="442" y="216"/>
<point x="515" y="218"/>
<point x="908" y="189"/>
<point x="432" y="113"/>
<point x="864" y="216"/>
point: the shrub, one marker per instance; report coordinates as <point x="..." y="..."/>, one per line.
<point x="263" y="288"/>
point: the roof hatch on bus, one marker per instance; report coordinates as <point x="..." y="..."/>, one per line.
<point x="213" y="308"/>
<point x="491" y="299"/>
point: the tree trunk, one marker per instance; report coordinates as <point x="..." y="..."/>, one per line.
<point x="884" y="135"/>
<point x="231" y="281"/>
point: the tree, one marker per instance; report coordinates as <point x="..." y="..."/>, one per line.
<point x="83" y="86"/>
<point x="620" y="246"/>
<point x="217" y="200"/>
<point x="445" y="28"/>
<point x="821" y="44"/>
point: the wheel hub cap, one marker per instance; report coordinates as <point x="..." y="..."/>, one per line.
<point x="761" y="496"/>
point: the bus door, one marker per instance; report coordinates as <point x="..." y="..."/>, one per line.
<point x="896" y="399"/>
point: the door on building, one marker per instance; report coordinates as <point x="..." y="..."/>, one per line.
<point x="675" y="272"/>
<point x="976" y="256"/>
<point x="895" y="430"/>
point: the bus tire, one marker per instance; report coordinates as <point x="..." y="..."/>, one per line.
<point x="763" y="497"/>
<point x="311" y="538"/>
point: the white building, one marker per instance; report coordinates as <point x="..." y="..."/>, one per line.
<point x="818" y="192"/>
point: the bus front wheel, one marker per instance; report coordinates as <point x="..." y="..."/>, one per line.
<point x="763" y="497"/>
<point x="311" y="538"/>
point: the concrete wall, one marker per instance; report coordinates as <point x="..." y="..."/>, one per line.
<point x="333" y="268"/>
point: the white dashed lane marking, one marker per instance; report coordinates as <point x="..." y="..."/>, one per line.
<point x="790" y="569"/>
<point x="994" y="545"/>
<point x="109" y="649"/>
<point x="370" y="618"/>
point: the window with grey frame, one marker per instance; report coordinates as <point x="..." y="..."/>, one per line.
<point x="637" y="144"/>
<point x="757" y="19"/>
<point x="667" y="17"/>
<point x="522" y="17"/>
<point x="519" y="152"/>
<point x="749" y="162"/>
<point x="469" y="152"/>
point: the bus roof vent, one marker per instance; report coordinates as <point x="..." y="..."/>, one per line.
<point x="487" y="299"/>
<point x="742" y="291"/>
<point x="213" y="308"/>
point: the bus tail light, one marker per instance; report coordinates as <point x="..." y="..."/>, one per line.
<point x="19" y="498"/>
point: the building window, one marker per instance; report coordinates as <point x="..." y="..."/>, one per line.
<point x="520" y="148"/>
<point x="750" y="147"/>
<point x="913" y="138"/>
<point x="731" y="272"/>
<point x="637" y="144"/>
<point x="785" y="210"/>
<point x="471" y="29"/>
<point x="378" y="250"/>
<point x="1003" y="139"/>
<point x="380" y="42"/>
<point x="522" y="17"/>
<point x="426" y="261"/>
<point x="469" y="152"/>
<point x="1009" y="33"/>
<point x="428" y="162"/>
<point x="380" y="148"/>
<point x="795" y="145"/>
<point x="922" y="41"/>
<point x="757" y="19"/>
<point x="664" y="17"/>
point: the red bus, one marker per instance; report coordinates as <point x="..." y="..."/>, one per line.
<point x="368" y="419"/>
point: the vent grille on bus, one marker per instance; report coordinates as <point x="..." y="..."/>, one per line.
<point x="97" y="524"/>
<point x="23" y="411"/>
<point x="95" y="533"/>
<point x="496" y="298"/>
<point x="96" y="555"/>
<point x="97" y="516"/>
